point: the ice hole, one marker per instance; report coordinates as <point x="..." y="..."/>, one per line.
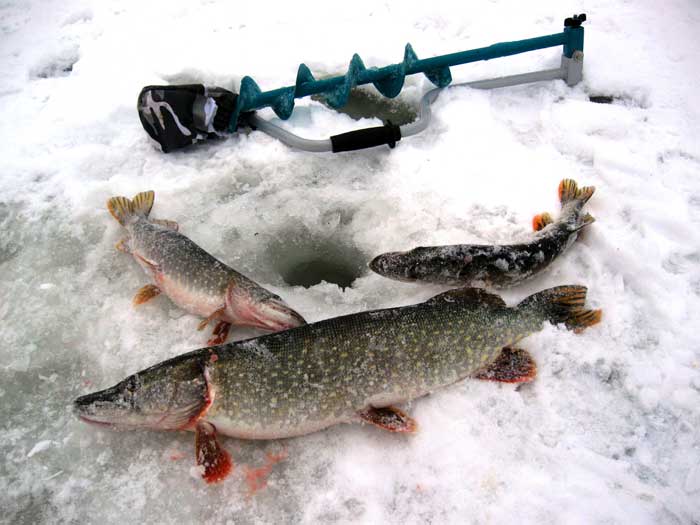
<point x="302" y="259"/>
<point x="363" y="103"/>
<point x="309" y="273"/>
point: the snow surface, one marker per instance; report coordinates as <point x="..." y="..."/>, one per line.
<point x="610" y="430"/>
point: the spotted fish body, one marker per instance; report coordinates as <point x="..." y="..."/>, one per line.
<point x="315" y="376"/>
<point x="192" y="278"/>
<point x="494" y="265"/>
<point x="333" y="371"/>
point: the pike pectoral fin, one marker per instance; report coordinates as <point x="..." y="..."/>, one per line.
<point x="220" y="333"/>
<point x="151" y="265"/>
<point x="171" y="225"/>
<point x="513" y="365"/>
<point x="203" y="324"/>
<point x="145" y="294"/>
<point x="389" y="418"/>
<point x="209" y="454"/>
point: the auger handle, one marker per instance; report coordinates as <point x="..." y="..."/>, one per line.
<point x="388" y="134"/>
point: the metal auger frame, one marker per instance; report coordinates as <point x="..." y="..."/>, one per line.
<point x="206" y="111"/>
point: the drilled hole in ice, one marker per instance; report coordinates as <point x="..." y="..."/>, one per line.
<point x="363" y="103"/>
<point x="304" y="260"/>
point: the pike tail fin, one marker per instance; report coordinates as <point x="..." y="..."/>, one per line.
<point x="569" y="190"/>
<point x="122" y="208"/>
<point x="564" y="304"/>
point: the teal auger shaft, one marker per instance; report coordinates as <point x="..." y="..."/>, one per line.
<point x="389" y="80"/>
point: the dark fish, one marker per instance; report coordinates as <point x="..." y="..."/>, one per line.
<point x="192" y="278"/>
<point x="353" y="368"/>
<point x="494" y="265"/>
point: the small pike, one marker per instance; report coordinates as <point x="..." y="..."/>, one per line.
<point x="192" y="278"/>
<point x="494" y="265"/>
<point x="353" y="368"/>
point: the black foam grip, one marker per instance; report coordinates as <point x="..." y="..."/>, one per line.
<point x="388" y="134"/>
<point x="226" y="103"/>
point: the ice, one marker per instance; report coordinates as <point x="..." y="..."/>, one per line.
<point x="609" y="432"/>
<point x="39" y="447"/>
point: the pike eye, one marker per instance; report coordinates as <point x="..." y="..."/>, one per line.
<point x="130" y="390"/>
<point x="130" y="385"/>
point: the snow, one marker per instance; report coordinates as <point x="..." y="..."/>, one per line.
<point x="39" y="447"/>
<point x="610" y="430"/>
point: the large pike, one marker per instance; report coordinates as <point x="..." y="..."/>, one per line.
<point x="192" y="278"/>
<point x="347" y="369"/>
<point x="494" y="265"/>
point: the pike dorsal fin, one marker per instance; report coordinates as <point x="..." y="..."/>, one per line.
<point x="540" y="221"/>
<point x="467" y="295"/>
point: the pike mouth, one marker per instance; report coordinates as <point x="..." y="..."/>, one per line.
<point x="83" y="412"/>
<point x="110" y="409"/>
<point x="275" y="315"/>
<point x="158" y="398"/>
<point x="384" y="263"/>
<point x="95" y="421"/>
<point x="95" y="408"/>
<point x="390" y="265"/>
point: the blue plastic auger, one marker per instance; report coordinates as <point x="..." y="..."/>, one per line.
<point x="198" y="110"/>
<point x="389" y="79"/>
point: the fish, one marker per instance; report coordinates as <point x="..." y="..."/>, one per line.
<point x="192" y="278"/>
<point x="354" y="368"/>
<point x="497" y="266"/>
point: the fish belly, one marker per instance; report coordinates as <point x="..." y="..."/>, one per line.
<point x="196" y="302"/>
<point x="229" y="426"/>
<point x="175" y="263"/>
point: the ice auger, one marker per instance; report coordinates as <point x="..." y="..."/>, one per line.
<point x="179" y="115"/>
